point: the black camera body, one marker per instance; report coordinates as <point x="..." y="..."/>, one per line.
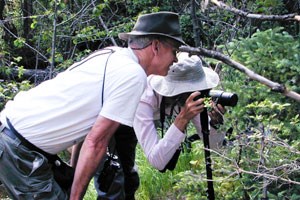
<point x="218" y="96"/>
<point x="110" y="169"/>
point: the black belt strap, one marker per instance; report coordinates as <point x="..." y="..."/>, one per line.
<point x="51" y="158"/>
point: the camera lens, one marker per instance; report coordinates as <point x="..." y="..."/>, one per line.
<point x="224" y="98"/>
<point x="229" y="99"/>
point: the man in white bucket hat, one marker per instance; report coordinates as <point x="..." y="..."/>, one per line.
<point x="186" y="76"/>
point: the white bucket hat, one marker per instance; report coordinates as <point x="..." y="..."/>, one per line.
<point x="187" y="75"/>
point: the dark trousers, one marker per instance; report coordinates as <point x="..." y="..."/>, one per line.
<point x="26" y="173"/>
<point x="127" y="179"/>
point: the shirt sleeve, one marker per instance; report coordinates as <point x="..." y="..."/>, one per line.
<point x="122" y="96"/>
<point x="158" y="151"/>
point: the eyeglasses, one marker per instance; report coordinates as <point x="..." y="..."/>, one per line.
<point x="174" y="47"/>
<point x="175" y="51"/>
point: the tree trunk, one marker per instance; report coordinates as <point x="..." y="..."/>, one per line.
<point x="196" y="27"/>
<point x="27" y="12"/>
<point x="2" y="5"/>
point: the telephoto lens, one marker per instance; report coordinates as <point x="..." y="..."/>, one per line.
<point x="224" y="98"/>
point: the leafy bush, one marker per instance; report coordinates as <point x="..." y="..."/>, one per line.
<point x="9" y="89"/>
<point x="261" y="155"/>
<point x="266" y="124"/>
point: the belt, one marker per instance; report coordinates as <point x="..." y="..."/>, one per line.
<point x="13" y="134"/>
<point x="10" y="134"/>
<point x="7" y="132"/>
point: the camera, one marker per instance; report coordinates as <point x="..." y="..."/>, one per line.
<point x="218" y="96"/>
<point x="224" y="98"/>
<point x="110" y="169"/>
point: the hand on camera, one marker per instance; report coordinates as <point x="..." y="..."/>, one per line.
<point x="190" y="109"/>
<point x="216" y="115"/>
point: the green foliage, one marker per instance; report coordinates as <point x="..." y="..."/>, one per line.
<point x="186" y="27"/>
<point x="265" y="124"/>
<point x="19" y="42"/>
<point x="272" y="53"/>
<point x="97" y="11"/>
<point x="91" y="193"/>
<point x="238" y="169"/>
<point x="9" y="89"/>
<point x="34" y="22"/>
<point x="145" y="6"/>
<point x="164" y="182"/>
<point x="89" y="33"/>
<point x="67" y="63"/>
<point x="268" y="6"/>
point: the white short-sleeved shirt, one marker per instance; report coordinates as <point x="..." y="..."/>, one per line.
<point x="60" y="112"/>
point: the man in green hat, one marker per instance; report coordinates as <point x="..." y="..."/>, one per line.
<point x="89" y="100"/>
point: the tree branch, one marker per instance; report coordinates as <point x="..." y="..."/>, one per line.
<point x="275" y="87"/>
<point x="52" y="64"/>
<point x="105" y="28"/>
<point x="287" y="17"/>
<point x="271" y="175"/>
<point x="35" y="76"/>
<point x="26" y="44"/>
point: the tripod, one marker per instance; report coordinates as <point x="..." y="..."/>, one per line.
<point x="205" y="132"/>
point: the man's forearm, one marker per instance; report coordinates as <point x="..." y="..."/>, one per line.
<point x="87" y="164"/>
<point x="92" y="152"/>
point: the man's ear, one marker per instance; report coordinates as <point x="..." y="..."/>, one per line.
<point x="155" y="47"/>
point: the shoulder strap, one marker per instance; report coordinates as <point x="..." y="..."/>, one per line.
<point x="102" y="97"/>
<point x="162" y="115"/>
<point x="111" y="155"/>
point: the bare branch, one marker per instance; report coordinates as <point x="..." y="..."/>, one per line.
<point x="275" y="87"/>
<point x="53" y="41"/>
<point x="35" y="76"/>
<point x="26" y="44"/>
<point x="105" y="28"/>
<point x="238" y="170"/>
<point x="287" y="17"/>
